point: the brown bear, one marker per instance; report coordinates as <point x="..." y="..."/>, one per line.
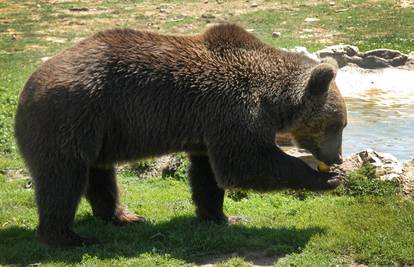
<point x="220" y="96"/>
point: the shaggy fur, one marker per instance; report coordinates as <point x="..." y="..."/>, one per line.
<point x="220" y="96"/>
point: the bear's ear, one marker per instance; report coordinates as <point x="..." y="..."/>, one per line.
<point x="320" y="78"/>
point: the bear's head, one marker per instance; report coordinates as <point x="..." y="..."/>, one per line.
<point x="319" y="129"/>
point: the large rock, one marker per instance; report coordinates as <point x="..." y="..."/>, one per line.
<point x="409" y="64"/>
<point x="407" y="178"/>
<point x="343" y="54"/>
<point x="387" y="167"/>
<point x="374" y="59"/>
<point x="304" y="51"/>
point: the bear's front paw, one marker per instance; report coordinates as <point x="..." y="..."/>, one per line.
<point x="327" y="181"/>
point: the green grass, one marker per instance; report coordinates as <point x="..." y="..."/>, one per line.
<point x="363" y="222"/>
<point x="368" y="26"/>
<point x="321" y="229"/>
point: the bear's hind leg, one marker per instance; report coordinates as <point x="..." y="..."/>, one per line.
<point x="102" y="194"/>
<point x="207" y="196"/>
<point x="58" y="189"/>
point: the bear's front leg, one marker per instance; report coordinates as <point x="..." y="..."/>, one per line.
<point x="262" y="166"/>
<point x="206" y="194"/>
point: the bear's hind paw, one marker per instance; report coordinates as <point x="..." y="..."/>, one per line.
<point x="67" y="239"/>
<point x="123" y="217"/>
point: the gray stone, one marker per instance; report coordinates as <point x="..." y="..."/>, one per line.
<point x="343" y="54"/>
<point x="374" y="59"/>
<point x="303" y="50"/>
<point x="384" y="53"/>
<point x="276" y="34"/>
<point x="311" y="19"/>
<point x="407" y="178"/>
<point x="380" y="58"/>
<point x="409" y="64"/>
<point x="208" y="16"/>
<point x="373" y="62"/>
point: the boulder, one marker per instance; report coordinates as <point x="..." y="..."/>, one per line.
<point x="374" y="59"/>
<point x="343" y="54"/>
<point x="407" y="178"/>
<point x="387" y="167"/>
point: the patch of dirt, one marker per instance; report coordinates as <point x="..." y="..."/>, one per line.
<point x="35" y="48"/>
<point x="11" y="7"/>
<point x="254" y="259"/>
<point x="323" y="36"/>
<point x="15" y="35"/>
<point x="56" y="39"/>
<point x="97" y="2"/>
<point x="406" y="3"/>
<point x="15" y="174"/>
<point x="77" y="39"/>
<point x="82" y="11"/>
<point x="66" y="25"/>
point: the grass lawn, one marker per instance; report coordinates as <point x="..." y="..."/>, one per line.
<point x="364" y="223"/>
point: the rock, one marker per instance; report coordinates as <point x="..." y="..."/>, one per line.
<point x="251" y="30"/>
<point x="161" y="165"/>
<point x="311" y="19"/>
<point x="303" y="50"/>
<point x="78" y="9"/>
<point x="384" y="53"/>
<point x="343" y="54"/>
<point x="409" y="64"/>
<point x="374" y="59"/>
<point x="407" y="178"/>
<point x="332" y="3"/>
<point x="254" y="5"/>
<point x="15" y="174"/>
<point x="387" y="167"/>
<point x="386" y="57"/>
<point x="173" y="163"/>
<point x="56" y="40"/>
<point x="276" y="34"/>
<point x="371" y="62"/>
<point x="208" y="16"/>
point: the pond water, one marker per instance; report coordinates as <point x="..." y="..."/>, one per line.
<point x="380" y="110"/>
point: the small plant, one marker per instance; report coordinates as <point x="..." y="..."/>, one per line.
<point x="364" y="182"/>
<point x="237" y="195"/>
<point x="178" y="168"/>
<point x="140" y="167"/>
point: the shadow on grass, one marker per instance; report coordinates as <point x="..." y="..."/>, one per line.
<point x="182" y="238"/>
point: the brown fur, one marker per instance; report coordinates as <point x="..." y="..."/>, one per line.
<point x="124" y="95"/>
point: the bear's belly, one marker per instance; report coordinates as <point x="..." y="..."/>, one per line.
<point x="129" y="149"/>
